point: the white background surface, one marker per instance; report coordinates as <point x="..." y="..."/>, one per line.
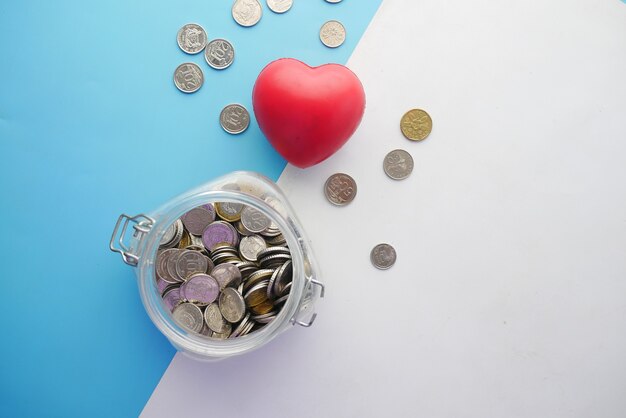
<point x="508" y="298"/>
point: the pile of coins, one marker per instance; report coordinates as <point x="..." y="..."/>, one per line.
<point x="340" y="188"/>
<point x="223" y="270"/>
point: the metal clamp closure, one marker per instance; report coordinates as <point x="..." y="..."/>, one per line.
<point x="142" y="225"/>
<point x="294" y="320"/>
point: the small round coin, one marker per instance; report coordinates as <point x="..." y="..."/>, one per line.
<point x="279" y="6"/>
<point x="333" y="1"/>
<point x="340" y="189"/>
<point x="247" y="12"/>
<point x="254" y="220"/>
<point x="416" y="125"/>
<point x="232" y="305"/>
<point x="191" y="38"/>
<point x="250" y="246"/>
<point x="188" y="77"/>
<point x="383" y="256"/>
<point x="234" y="119"/>
<point x="214" y="319"/>
<point x="332" y="34"/>
<point x="398" y="164"/>
<point x="189" y="316"/>
<point x="219" y="54"/>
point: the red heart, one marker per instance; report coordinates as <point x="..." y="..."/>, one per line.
<point x="307" y="113"/>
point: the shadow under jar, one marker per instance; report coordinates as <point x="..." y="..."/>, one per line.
<point x="141" y="245"/>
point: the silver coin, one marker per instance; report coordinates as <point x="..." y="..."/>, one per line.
<point x="250" y="246"/>
<point x="231" y="211"/>
<point x="232" y="305"/>
<point x="219" y="54"/>
<point x="333" y="1"/>
<point x="398" y="164"/>
<point x="383" y="256"/>
<point x="190" y="263"/>
<point x="234" y="118"/>
<point x="172" y="235"/>
<point x="214" y="319"/>
<point x="340" y="189"/>
<point x="197" y="219"/>
<point x="188" y="77"/>
<point x="162" y="263"/>
<point x="279" y="6"/>
<point x="244" y="322"/>
<point x="191" y="38"/>
<point x="332" y="34"/>
<point x="172" y="261"/>
<point x="253" y="220"/>
<point x="226" y="275"/>
<point x="247" y="12"/>
<point x="221" y="336"/>
<point x="189" y="316"/>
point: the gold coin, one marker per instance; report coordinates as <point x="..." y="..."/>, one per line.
<point x="416" y="125"/>
<point x="185" y="240"/>
<point x="262" y="308"/>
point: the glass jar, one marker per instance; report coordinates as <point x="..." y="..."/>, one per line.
<point x="138" y="247"/>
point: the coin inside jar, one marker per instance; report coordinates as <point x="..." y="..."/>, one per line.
<point x="237" y="273"/>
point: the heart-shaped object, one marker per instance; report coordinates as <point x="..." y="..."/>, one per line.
<point x="307" y="113"/>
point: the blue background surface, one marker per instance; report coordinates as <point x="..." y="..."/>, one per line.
<point x="91" y="125"/>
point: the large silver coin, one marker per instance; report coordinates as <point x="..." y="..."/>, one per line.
<point x="234" y="119"/>
<point x="214" y="319"/>
<point x="189" y="316"/>
<point x="332" y="34"/>
<point x="247" y="12"/>
<point x="188" y="77"/>
<point x="340" y="189"/>
<point x="197" y="219"/>
<point x="190" y="263"/>
<point x="383" y="256"/>
<point x="232" y="305"/>
<point x="279" y="6"/>
<point x="191" y="38"/>
<point x="253" y="220"/>
<point x="398" y="164"/>
<point x="251" y="246"/>
<point x="219" y="54"/>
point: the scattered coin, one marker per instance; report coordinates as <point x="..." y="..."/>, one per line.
<point x="191" y="38"/>
<point x="234" y="119"/>
<point x="398" y="164"/>
<point x="332" y="34"/>
<point x="416" y="125"/>
<point x="189" y="316"/>
<point x="247" y="12"/>
<point x="383" y="256"/>
<point x="340" y="189"/>
<point x="219" y="54"/>
<point x="188" y="77"/>
<point x="279" y="6"/>
<point x="333" y="1"/>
